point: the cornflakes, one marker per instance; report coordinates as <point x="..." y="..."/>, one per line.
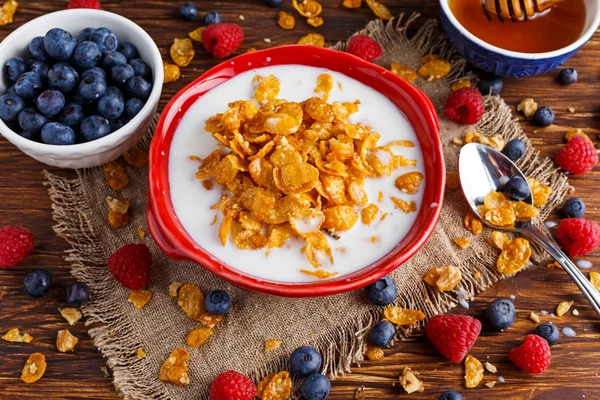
<point x="72" y="315"/>
<point x="528" y="106"/>
<point x="7" y="12"/>
<point x="14" y="335"/>
<point x="539" y="192"/>
<point x="250" y="239"/>
<point x="496" y="142"/>
<point x="272" y="344"/>
<point x="319" y="273"/>
<point x="473" y="372"/>
<point x="339" y="218"/>
<point x="34" y="368"/>
<point x="571" y="133"/>
<point x="461" y="242"/>
<point x="563" y="307"/>
<point x="402" y="316"/>
<point x="514" y="256"/>
<point x="314" y="39"/>
<point x="595" y="280"/>
<point x="198" y="336"/>
<point x="410" y="381"/>
<point x="174" y="289"/>
<point x="172" y="72"/>
<point x="404" y="72"/>
<point x="275" y="387"/>
<point x="118" y="212"/>
<point x="500" y="239"/>
<point x="369" y="214"/>
<point x="534" y="317"/>
<point x="445" y="278"/>
<point x="379" y="9"/>
<point x="286" y="20"/>
<point x="409" y="182"/>
<point x="374" y="353"/>
<point x="139" y="298"/>
<point x="182" y="52"/>
<point x="315" y="21"/>
<point x="175" y="369"/>
<point x="472" y="223"/>
<point x="191" y="301"/>
<point x="404" y="205"/>
<point x="554" y="264"/>
<point x="435" y="69"/>
<point x="136" y="157"/>
<point x="196" y="34"/>
<point x="498" y="210"/>
<point x="324" y="85"/>
<point x="65" y="341"/>
<point x="115" y="175"/>
<point x="360" y="393"/>
<point x="465" y="83"/>
<point x="307" y="8"/>
<point x="352" y="3"/>
<point x="452" y="180"/>
<point x="210" y="320"/>
<point x="429" y="57"/>
<point x="140" y="353"/>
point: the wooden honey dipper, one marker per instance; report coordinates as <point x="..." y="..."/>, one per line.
<point x="518" y="10"/>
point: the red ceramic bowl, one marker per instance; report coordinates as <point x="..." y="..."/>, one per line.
<point x="172" y="238"/>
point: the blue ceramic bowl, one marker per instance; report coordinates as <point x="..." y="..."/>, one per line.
<point x="503" y="62"/>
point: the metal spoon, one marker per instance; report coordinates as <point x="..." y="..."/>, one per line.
<point x="482" y="170"/>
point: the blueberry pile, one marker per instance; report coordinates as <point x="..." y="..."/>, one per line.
<point x="74" y="90"/>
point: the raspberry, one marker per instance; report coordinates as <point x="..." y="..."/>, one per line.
<point x="453" y="335"/>
<point x="231" y="385"/>
<point x="578" y="236"/>
<point x="95" y="4"/>
<point x="465" y="106"/>
<point x="578" y="156"/>
<point x="16" y="243"/>
<point x="364" y="47"/>
<point x="221" y="40"/>
<point x="532" y="356"/>
<point x="131" y="265"/>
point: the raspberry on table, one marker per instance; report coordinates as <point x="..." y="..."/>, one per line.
<point x="532" y="356"/>
<point x="364" y="47"/>
<point x="95" y="4"/>
<point x="16" y="243"/>
<point x="221" y="40"/>
<point x="453" y="335"/>
<point x="578" y="236"/>
<point x="465" y="106"/>
<point x="578" y="156"/>
<point x="231" y="385"/>
<point x="131" y="265"/>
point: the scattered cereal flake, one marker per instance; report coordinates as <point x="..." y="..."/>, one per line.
<point x="198" y="336"/>
<point x="563" y="307"/>
<point x="473" y="372"/>
<point x="445" y="278"/>
<point x="461" y="242"/>
<point x="72" y="315"/>
<point x="369" y="214"/>
<point x="115" y="175"/>
<point x="275" y="387"/>
<point x="374" y="353"/>
<point x="459" y="141"/>
<point x="250" y="50"/>
<point x="315" y="21"/>
<point x="324" y="85"/>
<point x="472" y="223"/>
<point x="139" y="298"/>
<point x="409" y="182"/>
<point x="571" y="133"/>
<point x="13" y="335"/>
<point x="210" y="320"/>
<point x="65" y="341"/>
<point x="315" y="39"/>
<point x="171" y="72"/>
<point x="360" y="392"/>
<point x="465" y="83"/>
<point x="402" y="316"/>
<point x="500" y="239"/>
<point x="403" y="71"/>
<point x="379" y="10"/>
<point x="141" y="233"/>
<point x="477" y="275"/>
<point x="554" y="264"/>
<point x="528" y="106"/>
<point x="118" y="212"/>
<point x="191" y="301"/>
<point x="7" y="12"/>
<point x="534" y="317"/>
<point x="452" y="180"/>
<point x="136" y="157"/>
<point x="182" y="52"/>
<point x="307" y="8"/>
<point x="174" y="289"/>
<point x="595" y="280"/>
<point x="514" y="256"/>
<point x="272" y="344"/>
<point x="196" y="34"/>
<point x="320" y="273"/>
<point x="352" y="3"/>
<point x="491" y="367"/>
<point x="575" y="312"/>
<point x="540" y="192"/>
<point x="435" y="69"/>
<point x="490" y="384"/>
<point x="241" y="17"/>
<point x="34" y="368"/>
<point x="267" y="40"/>
<point x="404" y="205"/>
<point x="571" y="109"/>
<point x="410" y="381"/>
<point x="286" y="20"/>
<point x="175" y="369"/>
<point x="140" y="353"/>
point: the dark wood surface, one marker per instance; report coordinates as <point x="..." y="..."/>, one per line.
<point x="24" y="201"/>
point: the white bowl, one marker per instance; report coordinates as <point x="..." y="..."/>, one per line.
<point x="105" y="149"/>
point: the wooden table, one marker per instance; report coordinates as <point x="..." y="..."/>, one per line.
<point x="24" y="201"/>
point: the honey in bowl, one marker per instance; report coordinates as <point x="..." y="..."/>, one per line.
<point x="557" y="28"/>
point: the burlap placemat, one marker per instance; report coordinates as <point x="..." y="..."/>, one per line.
<point x="335" y="325"/>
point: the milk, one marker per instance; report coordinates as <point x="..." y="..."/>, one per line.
<point x="356" y="248"/>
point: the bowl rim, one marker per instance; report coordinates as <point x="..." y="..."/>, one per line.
<point x="176" y="242"/>
<point x="585" y="36"/>
<point x="120" y="135"/>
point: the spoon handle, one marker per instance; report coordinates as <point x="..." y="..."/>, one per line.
<point x="541" y="238"/>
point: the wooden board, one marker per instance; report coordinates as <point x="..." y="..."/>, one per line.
<point x="24" y="201"/>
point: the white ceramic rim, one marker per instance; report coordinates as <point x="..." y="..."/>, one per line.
<point x="115" y="138"/>
<point x="527" y="56"/>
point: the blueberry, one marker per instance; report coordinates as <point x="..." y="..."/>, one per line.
<point x="548" y="331"/>
<point x="31" y="121"/>
<point x="140" y="68"/>
<point x="121" y="73"/>
<point x="63" y="77"/>
<point x="118" y="123"/>
<point x="111" y="105"/>
<point x="315" y="387"/>
<point x="112" y="59"/>
<point x="77" y="294"/>
<point x="188" y="11"/>
<point x="92" y="87"/>
<point x="305" y="361"/>
<point x="41" y="69"/>
<point x="50" y="102"/>
<point x="97" y="72"/>
<point x="60" y="44"/>
<point x="77" y="99"/>
<point x="574" y="208"/>
<point x="14" y="68"/>
<point x="104" y="38"/>
<point x="211" y="17"/>
<point x="544" y="116"/>
<point x="517" y="188"/>
<point x="11" y="90"/>
<point x="133" y="107"/>
<point x="451" y="395"/>
<point x="85" y="34"/>
<point x="515" y="149"/>
<point x="501" y="314"/>
<point x="382" y="291"/>
<point x="138" y="87"/>
<point x="128" y="50"/>
<point x="94" y="127"/>
<point x="37" y="282"/>
<point x="274" y="3"/>
<point x="87" y="55"/>
<point x="71" y="115"/>
<point x="218" y="302"/>
<point x="492" y="85"/>
<point x="10" y="107"/>
<point x="57" y="134"/>
<point x="567" y="76"/>
<point x="381" y="334"/>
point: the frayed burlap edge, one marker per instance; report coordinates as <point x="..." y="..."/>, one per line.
<point x="343" y="346"/>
